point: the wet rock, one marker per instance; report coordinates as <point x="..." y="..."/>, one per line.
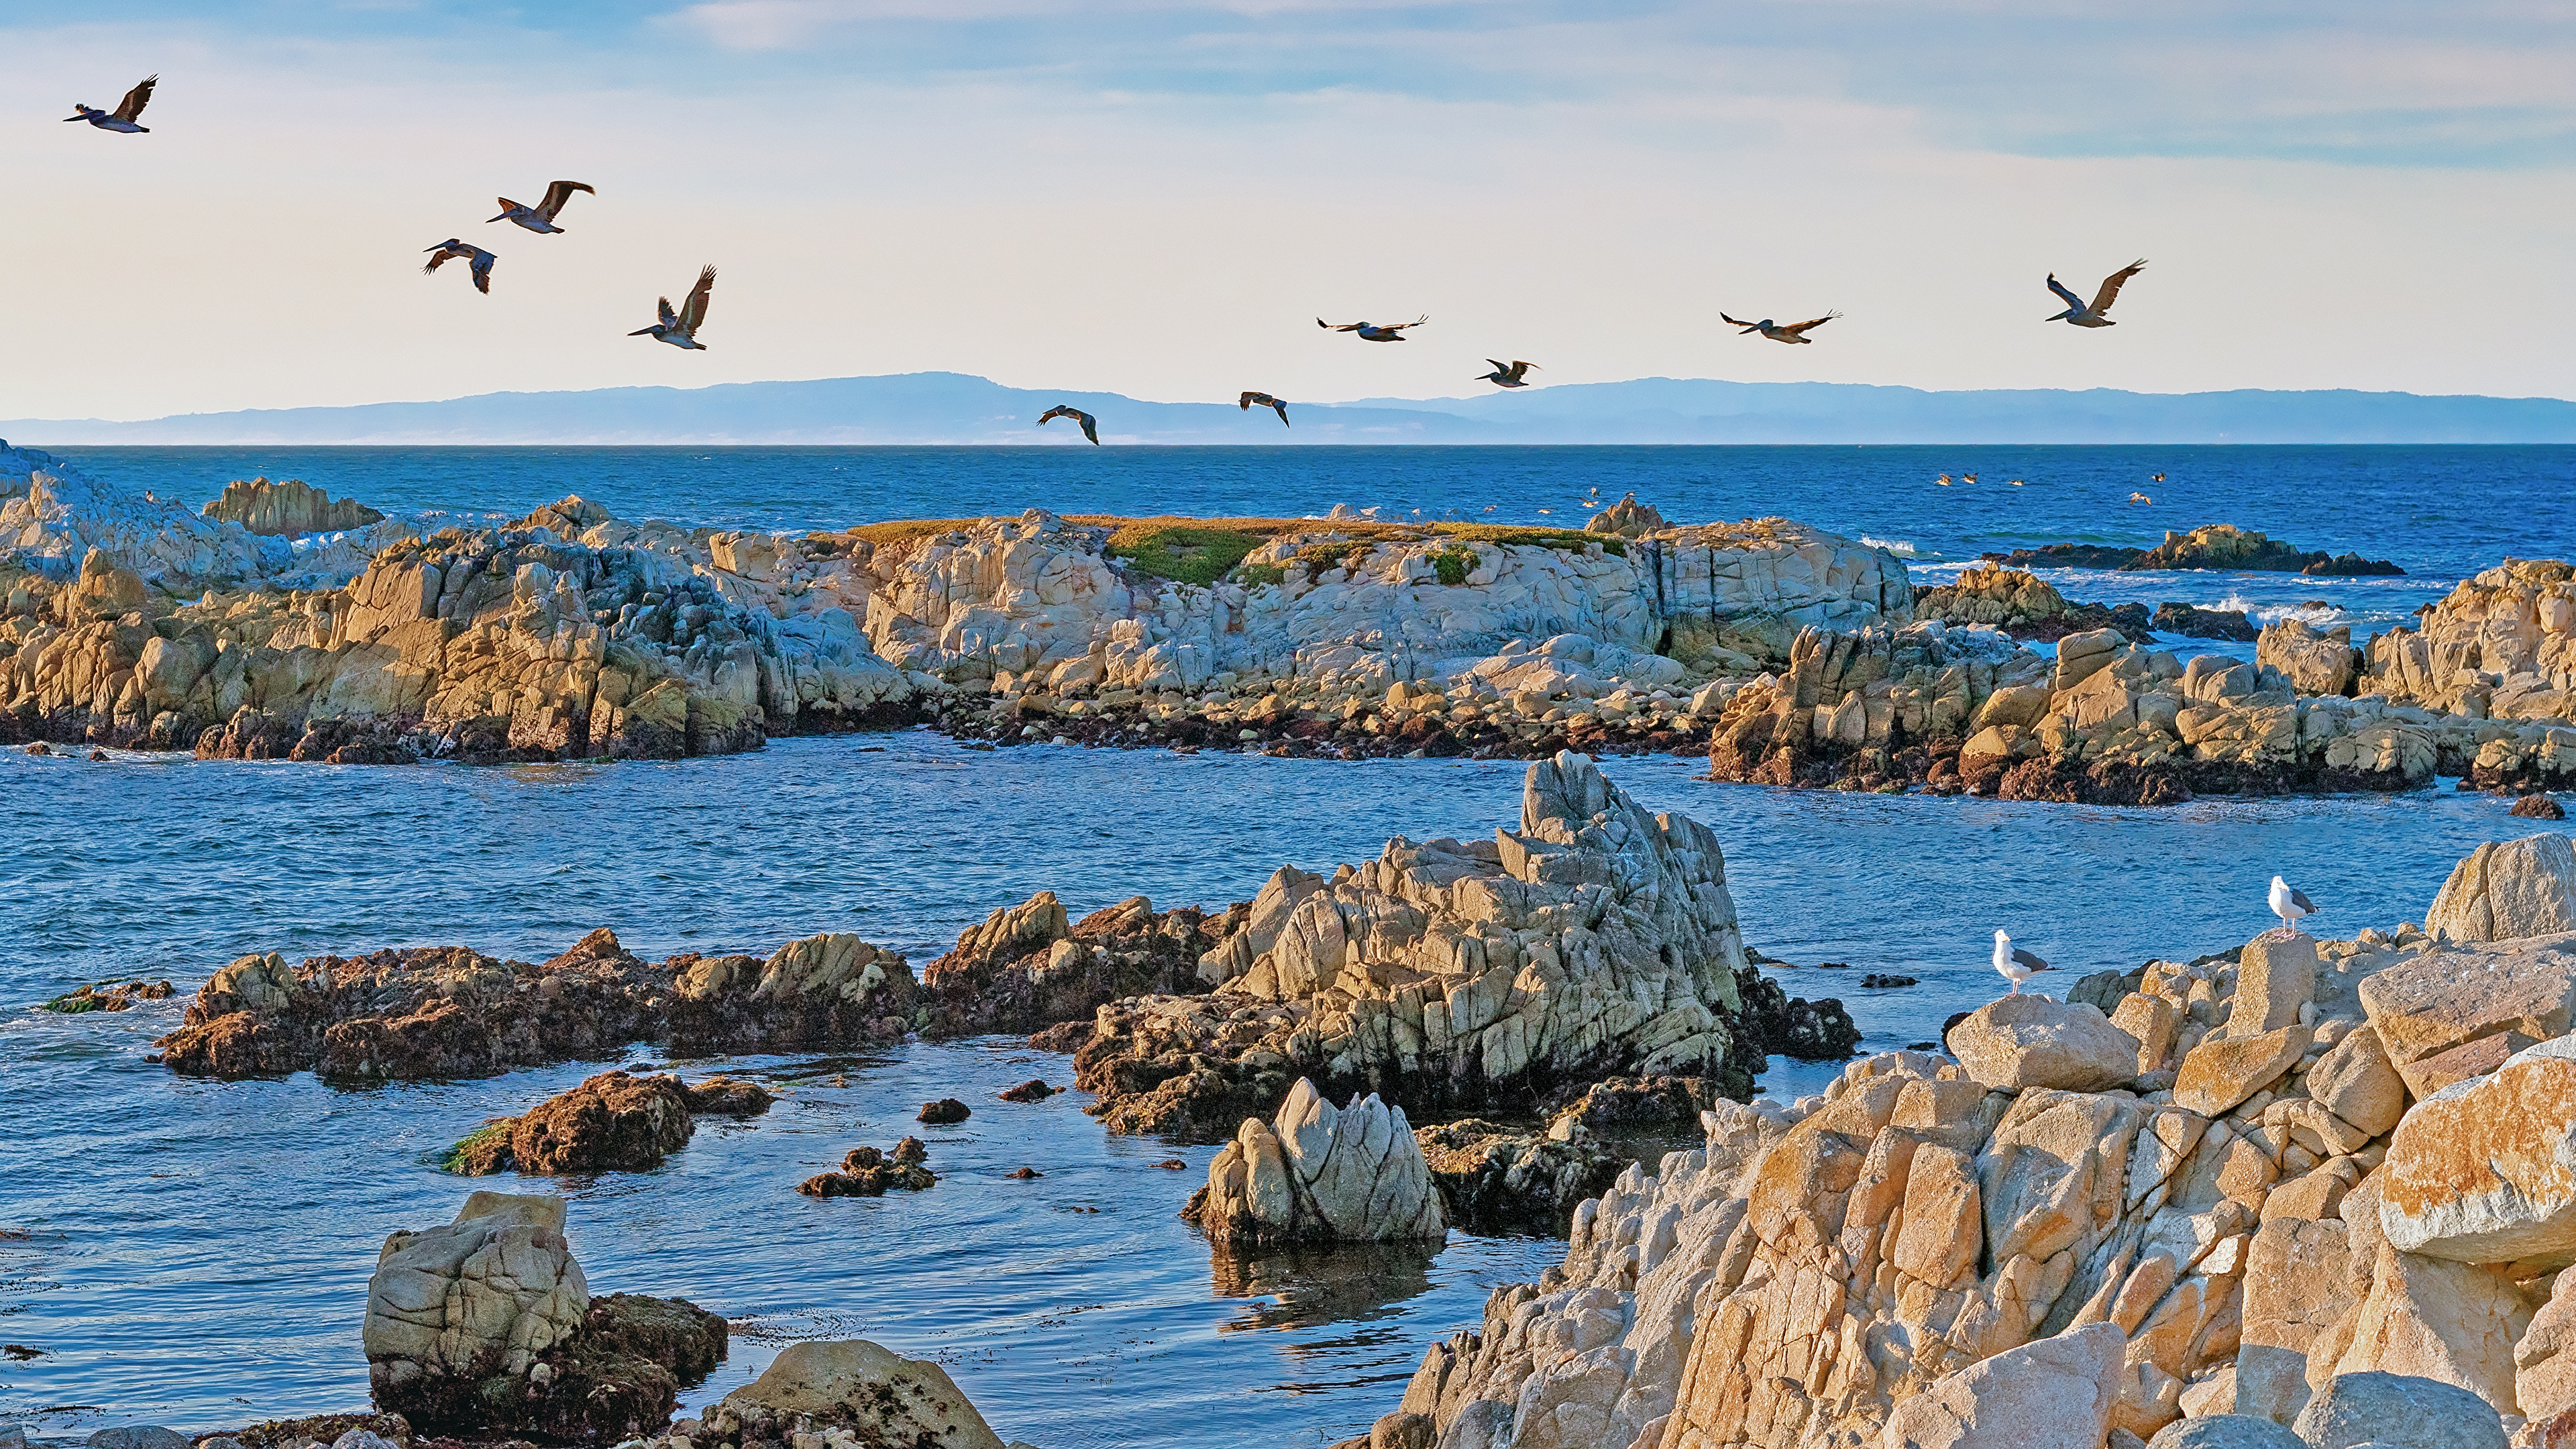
<point x="1494" y="1179"/>
<point x="612" y="1122"/>
<point x="142" y="1436"/>
<point x="943" y="1112"/>
<point x="2363" y="1408"/>
<point x="483" y="1151"/>
<point x="2538" y="807"/>
<point x="1032" y="1090"/>
<point x="329" y="1429"/>
<point x="853" y="1385"/>
<point x="2510" y="889"/>
<point x="722" y="1096"/>
<point x="2031" y="1040"/>
<point x="445" y="1012"/>
<point x="1025" y="1173"/>
<point x="867" y="1172"/>
<point x="2198" y="623"/>
<point x="1770" y="1020"/>
<point x="1321" y="1174"/>
<point x="108" y="996"/>
<point x="1025" y="968"/>
<point x="288" y="508"/>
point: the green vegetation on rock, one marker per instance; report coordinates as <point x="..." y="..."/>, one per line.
<point x="1453" y="564"/>
<point x="481" y="1152"/>
<point x="1184" y="553"/>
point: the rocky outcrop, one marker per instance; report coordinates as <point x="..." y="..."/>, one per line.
<point x="1320" y="1175"/>
<point x="844" y="1394"/>
<point x="487" y="1325"/>
<point x="2194" y="622"/>
<point x="1026" y="968"/>
<point x="290" y="508"/>
<point x="2315" y="662"/>
<point x="53" y="517"/>
<point x="433" y="1012"/>
<point x="614" y="1122"/>
<point x="1594" y="940"/>
<point x="1498" y="1179"/>
<point x="2021" y="605"/>
<point x="866" y="1172"/>
<point x="2059" y="1390"/>
<point x="1627" y="518"/>
<point x="2022" y="1041"/>
<point x="2105" y="722"/>
<point x="2211" y="546"/>
<point x="2508" y="889"/>
<point x="2500" y="649"/>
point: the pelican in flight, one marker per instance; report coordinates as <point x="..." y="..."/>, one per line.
<point x="680" y="328"/>
<point x="1090" y="425"/>
<point x="2015" y="964"/>
<point x="122" y="118"/>
<point x="1967" y="477"/>
<point x="2290" y="905"/>
<point x="2155" y="477"/>
<point x="455" y="250"/>
<point x="2097" y="315"/>
<point x="1372" y="332"/>
<point x="541" y="217"/>
<point x="1516" y="375"/>
<point x="2140" y="498"/>
<point x="1941" y="482"/>
<point x="1251" y="400"/>
<point x="1794" y="332"/>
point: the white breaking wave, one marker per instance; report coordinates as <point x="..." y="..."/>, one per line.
<point x="1896" y="546"/>
<point x="2314" y="615"/>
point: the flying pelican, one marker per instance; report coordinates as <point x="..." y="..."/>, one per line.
<point x="2016" y="482"/>
<point x="1515" y="375"/>
<point x="2097" y="315"/>
<point x="2155" y="477"/>
<point x="1794" y="332"/>
<point x="2015" y="964"/>
<point x="1547" y="510"/>
<point x="1943" y="481"/>
<point x="1967" y="477"/>
<point x="2290" y="905"/>
<point x="2140" y="498"/>
<point x="122" y="119"/>
<point x="680" y="328"/>
<point x="1263" y="399"/>
<point x="455" y="250"/>
<point x="1371" y="332"/>
<point x="1090" y="425"/>
<point x="541" y="217"/>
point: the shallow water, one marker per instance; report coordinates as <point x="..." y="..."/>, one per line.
<point x="199" y="1250"/>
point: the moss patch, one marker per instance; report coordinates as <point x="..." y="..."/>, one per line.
<point x="1253" y="576"/>
<point x="1453" y="564"/>
<point x="481" y="1152"/>
<point x="1183" y="553"/>
<point x="1570" y="540"/>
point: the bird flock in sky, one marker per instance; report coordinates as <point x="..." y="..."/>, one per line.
<point x="679" y="326"/>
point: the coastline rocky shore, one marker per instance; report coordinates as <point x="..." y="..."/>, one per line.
<point x="1789" y="655"/>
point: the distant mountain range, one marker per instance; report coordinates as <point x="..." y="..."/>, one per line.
<point x="929" y="408"/>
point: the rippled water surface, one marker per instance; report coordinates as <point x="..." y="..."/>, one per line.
<point x="197" y="1251"/>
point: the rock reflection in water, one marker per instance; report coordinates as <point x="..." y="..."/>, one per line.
<point x="1310" y="1286"/>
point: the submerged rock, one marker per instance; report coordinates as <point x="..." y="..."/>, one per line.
<point x="849" y="1394"/>
<point x="1319" y="1174"/>
<point x="612" y="1122"/>
<point x="866" y="1172"/>
<point x="943" y="1112"/>
<point x="1595" y="940"/>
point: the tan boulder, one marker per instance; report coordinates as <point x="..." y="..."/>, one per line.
<point x="2316" y="663"/>
<point x="2276" y="974"/>
<point x="2432" y="1318"/>
<point x="2398" y="1411"/>
<point x="2081" y="656"/>
<point x="2295" y="1291"/>
<point x="2509" y="889"/>
<point x="2153" y="1020"/>
<point x="2055" y="1392"/>
<point x="1323" y="1174"/>
<point x="2216" y="1075"/>
<point x="880" y="1396"/>
<point x="2544" y="1362"/>
<point x="2484" y="1171"/>
<point x="1943" y="1222"/>
<point x="481" y="1296"/>
<point x="2354" y="1081"/>
<point x="2445" y="998"/>
<point x="2028" y="1040"/>
<point x="2013" y="705"/>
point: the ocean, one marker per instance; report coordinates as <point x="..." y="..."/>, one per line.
<point x="195" y="1253"/>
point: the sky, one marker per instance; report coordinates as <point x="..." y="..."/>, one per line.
<point x="1158" y="197"/>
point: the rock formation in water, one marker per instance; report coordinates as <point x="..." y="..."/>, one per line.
<point x="2498" y="651"/>
<point x="2211" y="546"/>
<point x="2021" y="605"/>
<point x="486" y="1327"/>
<point x="288" y="509"/>
<point x="613" y="1122"/>
<point x="1026" y="967"/>
<point x="2232" y="1210"/>
<point x="431" y="1012"/>
<point x="1320" y="1174"/>
<point x="1450" y="976"/>
<point x="867" y="1172"/>
<point x="844" y="1394"/>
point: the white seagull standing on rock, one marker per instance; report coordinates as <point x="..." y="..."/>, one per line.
<point x="2015" y="964"/>
<point x="2290" y="905"/>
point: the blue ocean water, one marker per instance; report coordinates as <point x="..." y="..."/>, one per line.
<point x="195" y="1253"/>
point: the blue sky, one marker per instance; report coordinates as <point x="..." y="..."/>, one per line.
<point x="1157" y="197"/>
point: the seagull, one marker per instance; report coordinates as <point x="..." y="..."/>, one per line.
<point x="2016" y="482"/>
<point x="2079" y="315"/>
<point x="541" y="217"/>
<point x="2015" y="964"/>
<point x="1515" y="375"/>
<point x="1794" y="332"/>
<point x="2155" y="477"/>
<point x="1371" y="332"/>
<point x="680" y="328"/>
<point x="2290" y="905"/>
<point x="1090" y="425"/>
<point x="1249" y="400"/>
<point x="454" y="250"/>
<point x="126" y="110"/>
